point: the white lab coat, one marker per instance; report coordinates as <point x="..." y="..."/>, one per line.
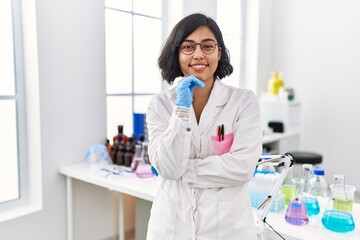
<point x="204" y="196"/>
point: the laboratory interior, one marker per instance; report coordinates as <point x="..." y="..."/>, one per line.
<point x="76" y="80"/>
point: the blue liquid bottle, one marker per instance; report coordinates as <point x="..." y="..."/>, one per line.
<point x="337" y="216"/>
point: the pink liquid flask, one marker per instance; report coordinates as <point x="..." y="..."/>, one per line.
<point x="296" y="212"/>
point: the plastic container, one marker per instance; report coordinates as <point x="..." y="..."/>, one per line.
<point x="318" y="183"/>
<point x="274" y="83"/>
<point x="261" y="186"/>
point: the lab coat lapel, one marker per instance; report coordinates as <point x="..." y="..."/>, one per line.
<point x="217" y="99"/>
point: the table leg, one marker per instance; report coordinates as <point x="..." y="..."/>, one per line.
<point x="121" y="217"/>
<point x="69" y="208"/>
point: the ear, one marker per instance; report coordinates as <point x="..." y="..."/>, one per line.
<point x="219" y="53"/>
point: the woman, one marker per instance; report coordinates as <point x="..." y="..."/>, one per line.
<point x="204" y="140"/>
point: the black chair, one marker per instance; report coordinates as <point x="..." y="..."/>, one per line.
<point x="302" y="157"/>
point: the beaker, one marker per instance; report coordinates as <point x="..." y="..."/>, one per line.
<point x="296" y="212"/>
<point x="308" y="196"/>
<point x="337" y="216"/>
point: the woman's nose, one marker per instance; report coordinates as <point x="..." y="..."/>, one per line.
<point x="198" y="54"/>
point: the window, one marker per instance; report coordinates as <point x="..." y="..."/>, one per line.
<point x="11" y="105"/>
<point x="132" y="75"/>
<point x="20" y="158"/>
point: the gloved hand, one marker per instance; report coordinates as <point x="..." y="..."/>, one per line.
<point x="185" y="89"/>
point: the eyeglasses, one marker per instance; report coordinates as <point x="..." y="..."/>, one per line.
<point x="206" y="46"/>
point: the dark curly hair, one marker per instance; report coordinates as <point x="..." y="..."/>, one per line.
<point x="169" y="58"/>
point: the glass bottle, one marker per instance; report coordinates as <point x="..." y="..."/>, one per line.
<point x="296" y="212"/>
<point x="311" y="202"/>
<point x="120" y="134"/>
<point x="337" y="215"/>
<point x="120" y="154"/>
<point x="128" y="154"/>
<point x="114" y="149"/>
<point x="318" y="183"/>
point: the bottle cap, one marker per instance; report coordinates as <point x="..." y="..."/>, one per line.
<point x="319" y="172"/>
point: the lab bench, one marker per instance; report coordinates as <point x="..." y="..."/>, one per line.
<point x="144" y="191"/>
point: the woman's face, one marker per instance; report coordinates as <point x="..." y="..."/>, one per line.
<point x="199" y="64"/>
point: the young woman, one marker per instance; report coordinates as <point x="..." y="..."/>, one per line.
<point x="204" y="140"/>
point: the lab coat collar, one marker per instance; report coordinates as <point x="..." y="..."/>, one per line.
<point x="219" y="96"/>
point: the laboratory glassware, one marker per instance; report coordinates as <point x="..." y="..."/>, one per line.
<point x="308" y="196"/>
<point x="318" y="183"/>
<point x="287" y="189"/>
<point x="306" y="175"/>
<point x="137" y="158"/>
<point x="296" y="212"/>
<point x="337" y="215"/>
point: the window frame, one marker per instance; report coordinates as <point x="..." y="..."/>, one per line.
<point x="133" y="94"/>
<point x="28" y="113"/>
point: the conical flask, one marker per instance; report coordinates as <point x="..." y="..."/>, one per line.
<point x="337" y="215"/>
<point x="309" y="197"/>
<point x="296" y="212"/>
<point x="287" y="189"/>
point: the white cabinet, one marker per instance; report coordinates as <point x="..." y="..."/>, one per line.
<point x="288" y="113"/>
<point x="280" y="143"/>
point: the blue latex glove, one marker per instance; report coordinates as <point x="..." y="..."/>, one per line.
<point x="185" y="89"/>
<point x="153" y="170"/>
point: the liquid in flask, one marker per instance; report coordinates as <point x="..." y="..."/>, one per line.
<point x="296" y="212"/>
<point x="337" y="215"/>
<point x="309" y="197"/>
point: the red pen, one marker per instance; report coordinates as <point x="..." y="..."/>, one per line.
<point x="219" y="133"/>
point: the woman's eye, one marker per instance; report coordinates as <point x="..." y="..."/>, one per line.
<point x="188" y="47"/>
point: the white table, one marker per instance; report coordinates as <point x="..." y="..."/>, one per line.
<point x="140" y="188"/>
<point x="145" y="189"/>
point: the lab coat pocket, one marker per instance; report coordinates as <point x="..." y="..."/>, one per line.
<point x="164" y="214"/>
<point x="221" y="147"/>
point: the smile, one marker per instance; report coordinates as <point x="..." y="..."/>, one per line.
<point x="199" y="66"/>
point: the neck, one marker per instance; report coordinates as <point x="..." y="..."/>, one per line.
<point x="201" y="97"/>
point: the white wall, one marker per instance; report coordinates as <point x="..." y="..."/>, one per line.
<point x="72" y="98"/>
<point x="316" y="45"/>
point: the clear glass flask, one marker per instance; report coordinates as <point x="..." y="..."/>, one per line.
<point x="308" y="196"/>
<point x="287" y="189"/>
<point x="296" y="212"/>
<point x="337" y="215"/>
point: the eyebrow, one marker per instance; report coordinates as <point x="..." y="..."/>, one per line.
<point x="206" y="39"/>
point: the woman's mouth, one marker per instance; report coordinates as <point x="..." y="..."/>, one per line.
<point x="198" y="66"/>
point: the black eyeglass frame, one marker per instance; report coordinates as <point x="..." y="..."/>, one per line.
<point x="200" y="44"/>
